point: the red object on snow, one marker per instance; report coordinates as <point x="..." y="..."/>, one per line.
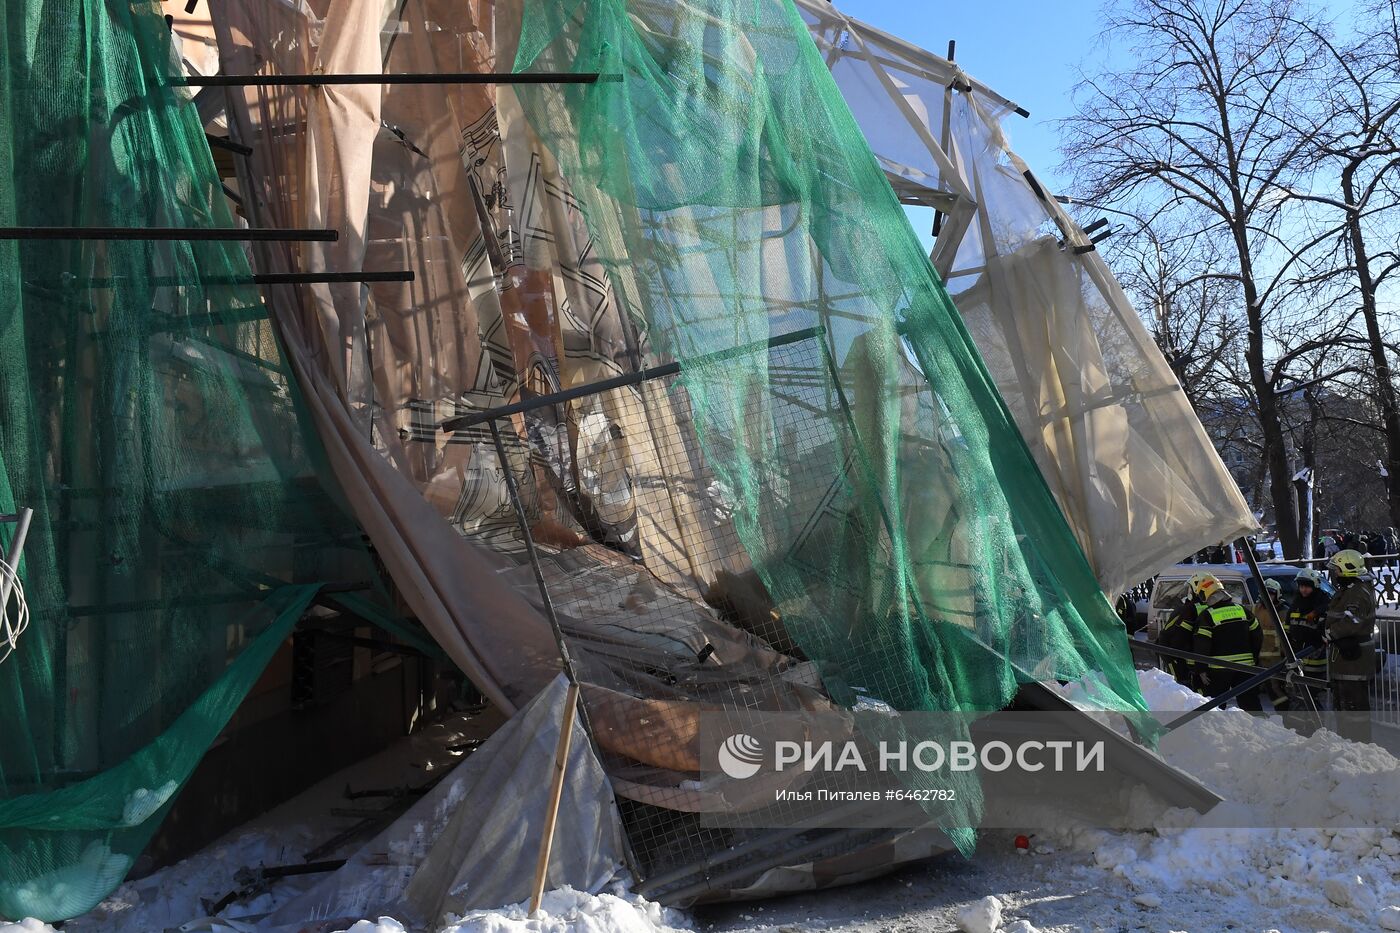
<point x="1023" y="842"/>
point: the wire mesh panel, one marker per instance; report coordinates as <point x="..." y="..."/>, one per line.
<point x="897" y="545"/>
<point x="634" y="540"/>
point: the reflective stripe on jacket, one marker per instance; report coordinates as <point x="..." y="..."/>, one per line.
<point x="1227" y="632"/>
<point x="1358" y="597"/>
<point x="1305" y="628"/>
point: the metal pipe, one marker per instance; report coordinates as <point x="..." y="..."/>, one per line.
<point x="257" y="278"/>
<point x="523" y="520"/>
<point x="626" y="379"/>
<point x="1290" y="656"/>
<point x="12" y="554"/>
<point x="239" y="234"/>
<point x="565" y="658"/>
<point x="318" y="278"/>
<point x="21" y="519"/>
<point x="223" y="142"/>
<point x="1164" y="651"/>
<point x="1230" y="694"/>
<point x="375" y="644"/>
<point x="445" y="77"/>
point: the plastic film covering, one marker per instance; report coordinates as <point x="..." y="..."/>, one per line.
<point x="147" y="417"/>
<point x="472" y="842"/>
<point x="868" y="471"/>
<point x="1111" y="430"/>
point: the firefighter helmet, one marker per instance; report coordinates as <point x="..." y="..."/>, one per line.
<point x="1205" y="585"/>
<point x="1274" y="587"/>
<point x="1347" y="564"/>
<point x="1309" y="576"/>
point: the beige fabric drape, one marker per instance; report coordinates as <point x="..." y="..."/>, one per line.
<point x="315" y="164"/>
<point x="508" y="301"/>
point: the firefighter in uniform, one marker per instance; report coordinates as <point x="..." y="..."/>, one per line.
<point x="1271" y="648"/>
<point x="1351" y="661"/>
<point x="1227" y="632"/>
<point x="1179" y="631"/>
<point x="1306" y="628"/>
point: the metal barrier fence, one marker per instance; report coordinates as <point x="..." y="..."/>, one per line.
<point x="1385" y="689"/>
<point x="1384" y="570"/>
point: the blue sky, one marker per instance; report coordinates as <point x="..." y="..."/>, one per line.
<point x="1028" y="51"/>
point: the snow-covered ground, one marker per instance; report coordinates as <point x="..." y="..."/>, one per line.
<point x="1195" y="872"/>
<point x="562" y="911"/>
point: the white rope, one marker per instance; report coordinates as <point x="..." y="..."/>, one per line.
<point x="13" y="621"/>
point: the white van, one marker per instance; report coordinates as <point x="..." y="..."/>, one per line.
<point x="1169" y="588"/>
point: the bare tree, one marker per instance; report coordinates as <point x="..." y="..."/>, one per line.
<point x="1205" y="122"/>
<point x="1357" y="136"/>
<point x="1171" y="271"/>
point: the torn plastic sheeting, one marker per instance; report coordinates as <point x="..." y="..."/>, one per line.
<point x="472" y="842"/>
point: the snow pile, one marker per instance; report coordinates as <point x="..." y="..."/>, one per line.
<point x="983" y="916"/>
<point x="69" y="887"/>
<point x="1259" y="843"/>
<point x="1164" y="694"/>
<point x="1092" y="692"/>
<point x="568" y="911"/>
<point x="173" y="895"/>
<point x="27" y="925"/>
<point x="1020" y="926"/>
<point x="143" y="802"/>
<point x="561" y="911"/>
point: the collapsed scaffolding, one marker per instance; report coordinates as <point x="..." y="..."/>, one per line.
<point x="673" y="380"/>
<point x="1103" y="413"/>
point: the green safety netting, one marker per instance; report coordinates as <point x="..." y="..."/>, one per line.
<point x="910" y="545"/>
<point x="147" y="418"/>
<point x="876" y="481"/>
